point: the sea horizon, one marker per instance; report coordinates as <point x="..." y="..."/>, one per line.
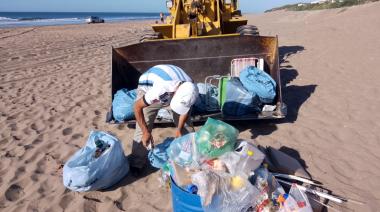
<point x="23" y="19"/>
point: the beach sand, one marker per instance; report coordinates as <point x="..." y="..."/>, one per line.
<point x="55" y="88"/>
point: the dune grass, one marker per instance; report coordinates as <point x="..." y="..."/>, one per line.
<point x="326" y="5"/>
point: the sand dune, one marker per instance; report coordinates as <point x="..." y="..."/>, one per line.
<point x="55" y="88"/>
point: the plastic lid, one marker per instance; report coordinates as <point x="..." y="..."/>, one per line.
<point x="286" y="196"/>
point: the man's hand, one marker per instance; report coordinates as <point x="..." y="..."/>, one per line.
<point x="178" y="133"/>
<point x="146" y="138"/>
<point x="181" y="123"/>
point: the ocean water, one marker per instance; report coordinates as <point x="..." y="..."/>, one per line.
<point x="20" y="19"/>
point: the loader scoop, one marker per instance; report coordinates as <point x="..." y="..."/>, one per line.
<point x="199" y="57"/>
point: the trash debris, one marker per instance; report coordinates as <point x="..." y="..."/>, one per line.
<point x="269" y="108"/>
<point x="101" y="147"/>
<point x="230" y="175"/>
<point x="164" y="115"/>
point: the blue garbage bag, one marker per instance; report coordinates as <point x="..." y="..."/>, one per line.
<point x="238" y="100"/>
<point x="84" y="172"/>
<point x="123" y="105"/>
<point x="259" y="83"/>
<point x="202" y="105"/>
<point x="158" y="156"/>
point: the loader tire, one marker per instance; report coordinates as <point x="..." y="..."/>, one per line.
<point x="248" y="30"/>
<point x="151" y="36"/>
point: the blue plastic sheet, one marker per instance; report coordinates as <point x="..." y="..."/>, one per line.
<point x="84" y="172"/>
<point x="123" y="105"/>
<point x="238" y="100"/>
<point x="259" y="83"/>
<point x="158" y="156"/>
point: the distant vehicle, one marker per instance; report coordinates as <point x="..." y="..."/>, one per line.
<point x="94" y="19"/>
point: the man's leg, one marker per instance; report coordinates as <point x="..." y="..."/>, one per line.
<point x="139" y="154"/>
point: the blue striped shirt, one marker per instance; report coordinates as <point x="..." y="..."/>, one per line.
<point x="160" y="73"/>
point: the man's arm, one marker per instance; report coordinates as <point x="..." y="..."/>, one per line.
<point x="181" y="123"/>
<point x="140" y="119"/>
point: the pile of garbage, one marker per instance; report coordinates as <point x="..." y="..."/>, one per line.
<point x="248" y="93"/>
<point x="237" y="96"/>
<point x="227" y="173"/>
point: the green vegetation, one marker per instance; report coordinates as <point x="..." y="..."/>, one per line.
<point x="320" y="6"/>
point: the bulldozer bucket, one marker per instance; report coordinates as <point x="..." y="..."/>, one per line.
<point x="199" y="57"/>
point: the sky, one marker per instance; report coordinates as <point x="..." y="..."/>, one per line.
<point x="247" y="6"/>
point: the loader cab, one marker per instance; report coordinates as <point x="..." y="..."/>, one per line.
<point x="194" y="18"/>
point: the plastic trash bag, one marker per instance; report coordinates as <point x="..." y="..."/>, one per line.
<point x="238" y="100"/>
<point x="181" y="151"/>
<point x="223" y="192"/>
<point x="164" y="115"/>
<point x="123" y="105"/>
<point x="208" y="183"/>
<point x="208" y="99"/>
<point x="158" y="156"/>
<point x="232" y="201"/>
<point x="84" y="172"/>
<point x="259" y="83"/>
<point x="215" y="138"/>
<point x="246" y="158"/>
<point x="181" y="175"/>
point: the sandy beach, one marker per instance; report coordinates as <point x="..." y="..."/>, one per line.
<point x="55" y="87"/>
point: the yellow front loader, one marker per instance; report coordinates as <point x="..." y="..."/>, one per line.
<point x="190" y="18"/>
<point x="205" y="38"/>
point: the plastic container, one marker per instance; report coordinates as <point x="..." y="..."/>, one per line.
<point x="184" y="201"/>
<point x="222" y="90"/>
